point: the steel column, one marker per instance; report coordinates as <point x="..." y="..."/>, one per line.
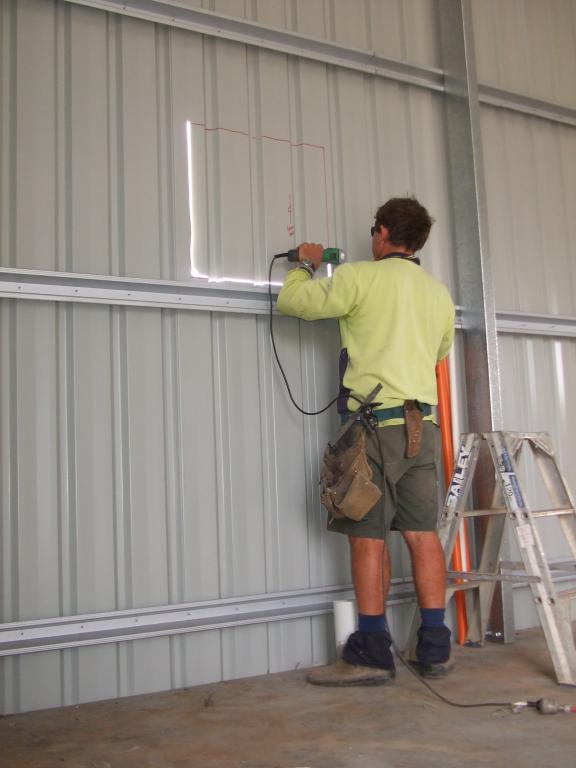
<point x="474" y="275"/>
<point x="473" y="268"/>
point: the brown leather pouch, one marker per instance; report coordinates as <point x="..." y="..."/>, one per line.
<point x="347" y="487"/>
<point x="413" y="426"/>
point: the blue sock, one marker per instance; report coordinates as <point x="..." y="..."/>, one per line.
<point x="432" y="617"/>
<point x="367" y="623"/>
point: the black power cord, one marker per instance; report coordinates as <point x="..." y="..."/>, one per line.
<point x="442" y="698"/>
<point x="271" y="316"/>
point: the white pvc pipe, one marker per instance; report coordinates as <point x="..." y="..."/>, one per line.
<point x="344" y="621"/>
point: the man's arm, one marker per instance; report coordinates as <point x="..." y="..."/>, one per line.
<point x="308" y="299"/>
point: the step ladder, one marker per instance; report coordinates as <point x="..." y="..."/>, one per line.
<point x="509" y="504"/>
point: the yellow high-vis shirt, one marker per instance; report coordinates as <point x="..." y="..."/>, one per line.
<point x="396" y="321"/>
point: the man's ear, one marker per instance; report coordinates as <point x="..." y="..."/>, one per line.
<point x="384" y="233"/>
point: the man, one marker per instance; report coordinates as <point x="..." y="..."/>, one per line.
<point x="396" y="322"/>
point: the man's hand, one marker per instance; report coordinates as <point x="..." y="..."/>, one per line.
<point x="311" y="251"/>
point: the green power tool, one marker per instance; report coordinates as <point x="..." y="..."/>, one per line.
<point x="332" y="256"/>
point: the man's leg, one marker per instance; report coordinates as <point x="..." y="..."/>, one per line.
<point x="428" y="567"/>
<point x="367" y="656"/>
<point x="429" y="571"/>
<point x="370" y="565"/>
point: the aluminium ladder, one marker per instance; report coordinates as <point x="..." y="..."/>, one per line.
<point x="509" y="504"/>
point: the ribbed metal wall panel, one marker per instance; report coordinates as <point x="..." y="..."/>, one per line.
<point x="527" y="46"/>
<point x="109" y="185"/>
<point x="530" y="167"/>
<point x="538" y="381"/>
<point x="406" y="30"/>
<point x="151" y="457"/>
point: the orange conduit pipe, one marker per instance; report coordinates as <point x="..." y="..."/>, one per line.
<point x="445" y="418"/>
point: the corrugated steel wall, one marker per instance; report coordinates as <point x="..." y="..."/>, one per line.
<point x="531" y="189"/>
<point x="406" y="30"/>
<point x="527" y="46"/>
<point x="530" y="166"/>
<point x="151" y="457"/>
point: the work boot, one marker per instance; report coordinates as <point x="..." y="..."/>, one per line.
<point x="433" y="651"/>
<point x="366" y="660"/>
<point x="369" y="649"/>
<point x="341" y="674"/>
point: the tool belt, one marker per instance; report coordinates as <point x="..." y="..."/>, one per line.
<point x="346" y="478"/>
<point x="347" y="487"/>
<point x="413" y="412"/>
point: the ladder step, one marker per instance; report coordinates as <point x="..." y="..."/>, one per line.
<point x="503" y="511"/>
<point x="553" y="512"/>
<point x="456" y="578"/>
<point x="453" y="587"/>
<point x="566" y="566"/>
<point x="484" y="512"/>
<point x="567" y="594"/>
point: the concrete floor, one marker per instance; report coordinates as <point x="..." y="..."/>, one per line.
<point x="280" y="721"/>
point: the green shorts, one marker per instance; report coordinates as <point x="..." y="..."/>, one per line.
<point x="409" y="487"/>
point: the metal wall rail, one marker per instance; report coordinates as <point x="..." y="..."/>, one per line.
<point x="295" y="44"/>
<point x="17" y="638"/>
<point x="547" y="110"/>
<point x="202" y="295"/>
<point x="160" y="621"/>
<point x="136" y="292"/>
<point x="534" y="324"/>
<point x="272" y="38"/>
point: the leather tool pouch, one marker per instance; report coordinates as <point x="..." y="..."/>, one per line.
<point x="347" y="487"/>
<point x="413" y="424"/>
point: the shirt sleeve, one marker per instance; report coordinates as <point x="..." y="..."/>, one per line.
<point x="448" y="338"/>
<point x="329" y="297"/>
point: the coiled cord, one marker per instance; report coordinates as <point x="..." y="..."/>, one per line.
<point x="277" y="358"/>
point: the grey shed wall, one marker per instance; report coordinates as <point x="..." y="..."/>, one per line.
<point x="149" y="456"/>
<point x="530" y="168"/>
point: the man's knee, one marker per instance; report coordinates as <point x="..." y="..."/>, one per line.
<point x="360" y="545"/>
<point x="421" y="538"/>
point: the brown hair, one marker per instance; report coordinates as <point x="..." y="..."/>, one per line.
<point x="406" y="220"/>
